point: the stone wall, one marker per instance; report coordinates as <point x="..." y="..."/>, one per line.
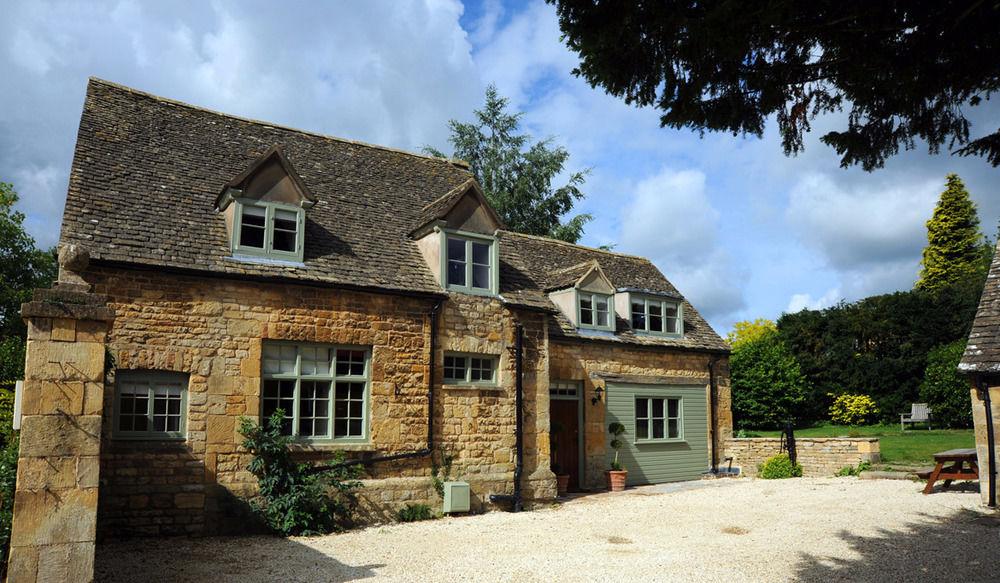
<point x="982" y="442"/>
<point x="818" y="456"/>
<point x="586" y="361"/>
<point x="213" y="331"/>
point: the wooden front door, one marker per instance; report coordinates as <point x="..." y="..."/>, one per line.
<point x="565" y="435"/>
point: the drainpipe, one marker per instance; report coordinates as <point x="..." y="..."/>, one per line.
<point x="991" y="446"/>
<point x="714" y="406"/>
<point x="515" y="500"/>
<point x="427" y="451"/>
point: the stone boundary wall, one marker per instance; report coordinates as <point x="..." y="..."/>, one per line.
<point x="819" y="456"/>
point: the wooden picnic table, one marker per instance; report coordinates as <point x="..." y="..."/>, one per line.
<point x="958" y="458"/>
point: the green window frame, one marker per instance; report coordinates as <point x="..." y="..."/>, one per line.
<point x="469" y="263"/>
<point x="656" y="316"/>
<point x="323" y="389"/>
<point x="150" y="405"/>
<point x="268" y="229"/>
<point x="659" y="419"/>
<point x="589" y="313"/>
<point x="471" y="369"/>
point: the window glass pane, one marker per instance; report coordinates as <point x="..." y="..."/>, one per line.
<point x="456" y="273"/>
<point x="350" y="363"/>
<point x="285" y="226"/>
<point x="641" y="408"/>
<point x="316" y="360"/>
<point x="673" y="429"/>
<point x="642" y="428"/>
<point x="481" y="253"/>
<point x="655" y="317"/>
<point x="252" y="227"/>
<point x="672" y="407"/>
<point x="481" y="276"/>
<point x="657" y="428"/>
<point x="313" y="408"/>
<point x="672" y="319"/>
<point x="657" y="407"/>
<point x="456" y="249"/>
<point x="601" y="307"/>
<point x="454" y="368"/>
<point x="348" y="410"/>
<point x="639" y="315"/>
<point x="481" y="369"/>
<point x="602" y="318"/>
<point x="279" y="358"/>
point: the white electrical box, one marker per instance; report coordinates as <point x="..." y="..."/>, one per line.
<point x="18" y="397"/>
<point x="456" y="497"/>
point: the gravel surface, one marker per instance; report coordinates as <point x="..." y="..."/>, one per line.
<point x="837" y="529"/>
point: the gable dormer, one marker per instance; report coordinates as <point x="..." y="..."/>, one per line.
<point x="457" y="236"/>
<point x="264" y="207"/>
<point x="585" y="295"/>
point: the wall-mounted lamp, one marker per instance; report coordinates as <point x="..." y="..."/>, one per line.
<point x="597" y="396"/>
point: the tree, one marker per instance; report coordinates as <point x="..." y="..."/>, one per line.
<point x="515" y="175"/>
<point x="768" y="385"/>
<point x="23" y="268"/>
<point x="905" y="70"/>
<point x="747" y="331"/>
<point x="956" y="249"/>
<point x="944" y="389"/>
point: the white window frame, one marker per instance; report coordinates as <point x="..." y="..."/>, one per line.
<point x="332" y="377"/>
<point x="663" y="303"/>
<point x="155" y="382"/>
<point x="666" y="419"/>
<point x="593" y="296"/>
<point x="494" y="258"/>
<point x="268" y="250"/>
<point x="467" y="369"/>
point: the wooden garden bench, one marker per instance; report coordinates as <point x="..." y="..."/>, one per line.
<point x="919" y="413"/>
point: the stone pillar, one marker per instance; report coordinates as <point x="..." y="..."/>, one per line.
<point x="982" y="437"/>
<point x="55" y="504"/>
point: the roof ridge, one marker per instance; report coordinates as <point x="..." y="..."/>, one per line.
<point x="590" y="262"/>
<point x="577" y="246"/>
<point x="461" y="164"/>
<point x="451" y="192"/>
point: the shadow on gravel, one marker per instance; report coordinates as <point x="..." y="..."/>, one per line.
<point x="962" y="547"/>
<point x="221" y="560"/>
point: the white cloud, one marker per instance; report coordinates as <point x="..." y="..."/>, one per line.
<point x="800" y="302"/>
<point x="671" y="220"/>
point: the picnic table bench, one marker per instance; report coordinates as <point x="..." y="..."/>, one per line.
<point x="956" y="471"/>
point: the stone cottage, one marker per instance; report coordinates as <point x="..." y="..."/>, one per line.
<point x="217" y="267"/>
<point x="981" y="362"/>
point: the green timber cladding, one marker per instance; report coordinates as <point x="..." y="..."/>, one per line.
<point x="651" y="462"/>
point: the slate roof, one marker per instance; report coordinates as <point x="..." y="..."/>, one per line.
<point x="147" y="171"/>
<point x="982" y="352"/>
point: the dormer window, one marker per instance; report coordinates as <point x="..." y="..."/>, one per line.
<point x="470" y="263"/>
<point x="594" y="310"/>
<point x="657" y="316"/>
<point x="264" y="209"/>
<point x="269" y="230"/>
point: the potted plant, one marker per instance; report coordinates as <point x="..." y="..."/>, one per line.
<point x="562" y="479"/>
<point x="616" y="475"/>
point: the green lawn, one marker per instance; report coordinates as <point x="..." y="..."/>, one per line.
<point x="912" y="447"/>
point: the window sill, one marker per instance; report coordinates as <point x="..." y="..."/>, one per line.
<point x="658" y="441"/>
<point x="330" y="446"/>
<point x="264" y="260"/>
<point x="471" y="387"/>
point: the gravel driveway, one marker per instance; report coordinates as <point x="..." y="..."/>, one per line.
<point x="837" y="529"/>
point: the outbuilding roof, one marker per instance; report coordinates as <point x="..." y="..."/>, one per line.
<point x="982" y="352"/>
<point x="147" y="171"/>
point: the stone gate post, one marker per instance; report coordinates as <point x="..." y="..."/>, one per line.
<point x="55" y="504"/>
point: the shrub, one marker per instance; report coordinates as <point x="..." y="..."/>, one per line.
<point x="616" y="430"/>
<point x="8" y="479"/>
<point x="768" y="386"/>
<point x="415" y="512"/>
<point x="853" y="471"/>
<point x="944" y="389"/>
<point x="849" y="409"/>
<point x="293" y="501"/>
<point x="779" y="467"/>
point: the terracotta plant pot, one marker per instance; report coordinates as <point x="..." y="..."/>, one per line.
<point x="616" y="479"/>
<point x="562" y="483"/>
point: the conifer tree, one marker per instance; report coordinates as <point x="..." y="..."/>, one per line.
<point x="956" y="249"/>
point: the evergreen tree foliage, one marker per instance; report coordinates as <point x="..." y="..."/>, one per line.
<point x="904" y="70"/>
<point x="517" y="175"/>
<point x="767" y="383"/>
<point x="944" y="389"/>
<point x="956" y="248"/>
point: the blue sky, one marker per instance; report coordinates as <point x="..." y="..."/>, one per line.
<point x="741" y="229"/>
